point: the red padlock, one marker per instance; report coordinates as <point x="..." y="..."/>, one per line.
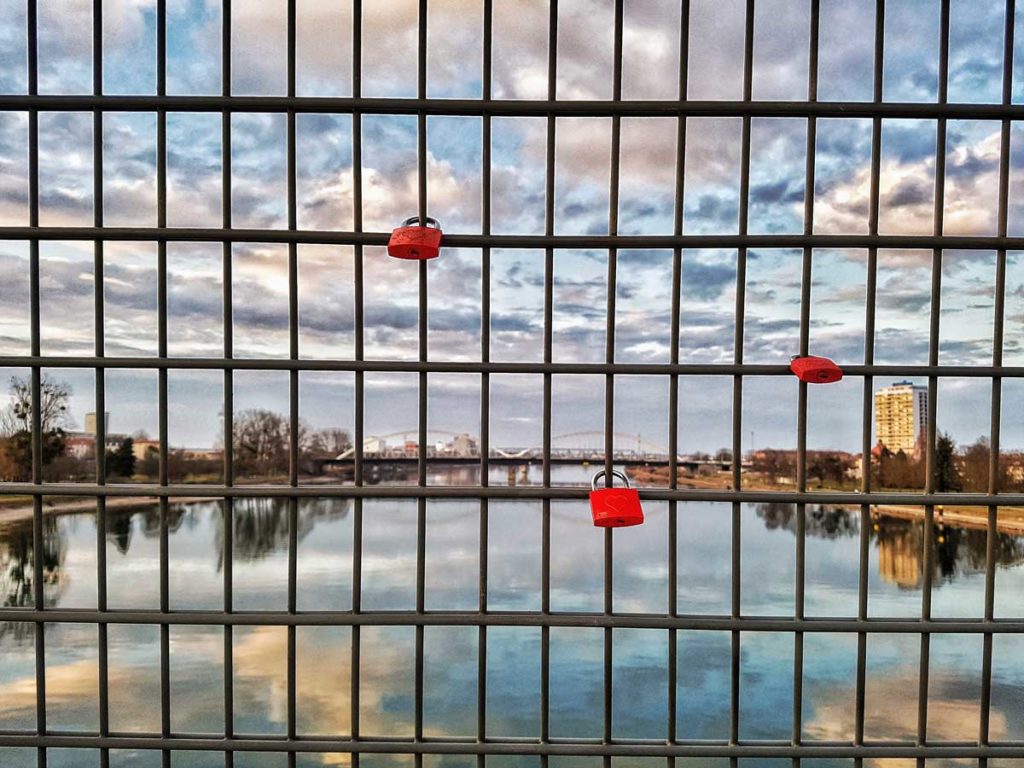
<point x="615" y="507"/>
<point x="815" y="370"/>
<point x="413" y="241"/>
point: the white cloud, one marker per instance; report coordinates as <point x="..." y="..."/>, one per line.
<point x="906" y="202"/>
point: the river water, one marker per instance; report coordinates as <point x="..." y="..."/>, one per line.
<point x="640" y="577"/>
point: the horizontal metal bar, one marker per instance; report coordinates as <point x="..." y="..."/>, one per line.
<point x="912" y="625"/>
<point x="836" y="498"/>
<point x="596" y="242"/>
<point x="509" y="107"/>
<point x="581" y="747"/>
<point x="509" y="740"/>
<point x="420" y="366"/>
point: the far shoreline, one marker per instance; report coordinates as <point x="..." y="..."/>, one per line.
<point x="1010" y="519"/>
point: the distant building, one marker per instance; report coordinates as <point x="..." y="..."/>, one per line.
<point x="901" y="416"/>
<point x="90" y="422"/>
<point x="80" y="446"/>
<point x="374" y="446"/>
<point x="141" y="447"/>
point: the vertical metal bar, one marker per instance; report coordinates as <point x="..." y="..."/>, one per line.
<point x="737" y="392"/>
<point x="868" y="398"/>
<point x="161" y="216"/>
<point x="36" y="398"/>
<point x="673" y="388"/>
<point x="609" y="388"/>
<point x="227" y="504"/>
<point x="357" y="249"/>
<point x="485" y="379"/>
<point x="546" y="407"/>
<point x="293" y="525"/>
<point x="933" y="359"/>
<point x="100" y="441"/>
<point x="926" y="603"/>
<point x="421" y="177"/>
<point x="485" y="254"/>
<point x="481" y="669"/>
<point x="549" y="230"/>
<point x="357" y="265"/>
<point x="998" y="324"/>
<point x="805" y="329"/>
<point x="293" y="385"/>
<point x="293" y="263"/>
<point x="421" y="503"/>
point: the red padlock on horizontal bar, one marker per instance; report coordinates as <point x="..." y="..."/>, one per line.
<point x="415" y="241"/>
<point x="815" y="370"/>
<point x="615" y="507"/>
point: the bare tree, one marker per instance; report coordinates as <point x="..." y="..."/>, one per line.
<point x="775" y="464"/>
<point x="53" y="406"/>
<point x="828" y="467"/>
<point x="16" y="426"/>
<point x="974" y="467"/>
<point x="260" y="440"/>
<point x="331" y="441"/>
<point x="897" y="470"/>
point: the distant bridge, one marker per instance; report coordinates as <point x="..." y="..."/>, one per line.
<point x="568" y="448"/>
<point x="571" y="445"/>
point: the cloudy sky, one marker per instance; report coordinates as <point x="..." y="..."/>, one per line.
<point x="324" y="181"/>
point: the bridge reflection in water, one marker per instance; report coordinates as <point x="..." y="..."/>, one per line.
<point x="640" y="578"/>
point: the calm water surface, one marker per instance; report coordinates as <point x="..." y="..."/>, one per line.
<point x="260" y="569"/>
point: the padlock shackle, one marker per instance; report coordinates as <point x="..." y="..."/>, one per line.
<point x="602" y="473"/>
<point x="427" y="222"/>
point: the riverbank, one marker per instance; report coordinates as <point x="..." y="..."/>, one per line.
<point x="18" y="511"/>
<point x="1010" y="519"/>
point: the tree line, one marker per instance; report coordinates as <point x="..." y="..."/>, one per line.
<point x="260" y="440"/>
<point x="956" y="469"/>
<point x="261" y="443"/>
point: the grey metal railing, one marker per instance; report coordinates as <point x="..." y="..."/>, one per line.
<point x="487" y="107"/>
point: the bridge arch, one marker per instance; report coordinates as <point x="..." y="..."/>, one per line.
<point x="582" y="441"/>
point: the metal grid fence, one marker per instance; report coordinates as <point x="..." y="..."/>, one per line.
<point x="485" y="744"/>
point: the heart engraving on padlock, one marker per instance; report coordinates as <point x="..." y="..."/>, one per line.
<point x="615" y="507"/>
